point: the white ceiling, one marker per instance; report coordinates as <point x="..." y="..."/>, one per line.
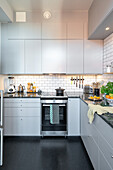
<point x="59" y="5"/>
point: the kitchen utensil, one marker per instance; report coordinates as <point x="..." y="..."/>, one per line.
<point x="71" y="80"/>
<point x="97" y="92"/>
<point x="79" y="81"/>
<point x="96" y="84"/>
<point x="94" y="99"/>
<point x="88" y="89"/>
<point x="59" y="91"/>
<point x="21" y="88"/>
<point x="11" y="88"/>
<point x="82" y="82"/>
<point x="39" y="92"/>
<point x="76" y="81"/>
<point x="109" y="68"/>
<point x="110" y="101"/>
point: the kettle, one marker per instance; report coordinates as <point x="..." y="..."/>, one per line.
<point x="21" y="88"/>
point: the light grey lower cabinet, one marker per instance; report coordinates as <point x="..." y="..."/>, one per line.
<point x="22" y="117"/>
<point x="98" y="148"/>
<point x="73" y="117"/>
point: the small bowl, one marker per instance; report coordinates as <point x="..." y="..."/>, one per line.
<point x="110" y="101"/>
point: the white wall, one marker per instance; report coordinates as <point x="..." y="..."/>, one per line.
<point x="0" y="47"/>
<point x="50" y="83"/>
<point x="108" y="51"/>
<point x="7" y="9"/>
<point x="98" y="11"/>
<point x="1" y="77"/>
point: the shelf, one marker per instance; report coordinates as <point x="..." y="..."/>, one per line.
<point x="109" y="73"/>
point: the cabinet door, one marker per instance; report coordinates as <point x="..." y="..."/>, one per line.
<point x="74" y="57"/>
<point x="13" y="57"/>
<point x="103" y="164"/>
<point x="24" y="31"/>
<point x="73" y="117"/>
<point x="22" y="126"/>
<point x="53" y="31"/>
<point x="33" y="56"/>
<point x="84" y="119"/>
<point x="54" y="56"/>
<point x="93" y="56"/>
<point x="92" y="150"/>
<point x="75" y="31"/>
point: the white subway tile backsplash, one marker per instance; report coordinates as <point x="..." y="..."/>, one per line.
<point x="108" y="51"/>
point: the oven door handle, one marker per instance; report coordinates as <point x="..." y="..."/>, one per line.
<point x="63" y="105"/>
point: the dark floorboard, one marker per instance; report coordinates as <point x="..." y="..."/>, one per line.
<point x="44" y="154"/>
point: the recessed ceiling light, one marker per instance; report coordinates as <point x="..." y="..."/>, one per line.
<point x="107" y="28"/>
<point x="20" y="16"/>
<point x="47" y="15"/>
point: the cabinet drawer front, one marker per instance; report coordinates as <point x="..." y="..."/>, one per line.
<point x="21" y="111"/>
<point x="106" y="149"/>
<point x="92" y="150"/>
<point x="22" y="126"/>
<point x="103" y="164"/>
<point x="21" y="105"/>
<point x="21" y="100"/>
<point x="85" y="126"/>
<point x="94" y="133"/>
<point x="107" y="132"/>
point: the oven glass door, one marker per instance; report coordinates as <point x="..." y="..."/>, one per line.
<point x="47" y="126"/>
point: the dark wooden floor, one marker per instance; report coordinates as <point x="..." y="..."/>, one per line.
<point x="45" y="154"/>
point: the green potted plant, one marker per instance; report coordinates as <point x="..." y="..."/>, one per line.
<point x="108" y="89"/>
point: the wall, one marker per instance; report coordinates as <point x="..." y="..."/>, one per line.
<point x="1" y="77"/>
<point x="108" y="51"/>
<point x="50" y="83"/>
<point x="0" y="47"/>
<point x="98" y="11"/>
<point x="7" y="9"/>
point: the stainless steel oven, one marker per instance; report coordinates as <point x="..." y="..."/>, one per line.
<point x="48" y="129"/>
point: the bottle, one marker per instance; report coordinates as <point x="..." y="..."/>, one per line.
<point x="34" y="87"/>
<point x="108" y="68"/>
<point x="31" y="87"/>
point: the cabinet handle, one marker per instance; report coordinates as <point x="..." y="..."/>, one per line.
<point x="21" y="110"/>
<point x="21" y="119"/>
<point x="112" y="156"/>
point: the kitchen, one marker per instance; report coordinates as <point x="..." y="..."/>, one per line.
<point x="55" y="57"/>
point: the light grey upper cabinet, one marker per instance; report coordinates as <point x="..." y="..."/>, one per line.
<point x="93" y="56"/>
<point x="53" y="31"/>
<point x="13" y="57"/>
<point x="53" y="56"/>
<point x="74" y="57"/>
<point x="24" y="31"/>
<point x="75" y="31"/>
<point x="33" y="56"/>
